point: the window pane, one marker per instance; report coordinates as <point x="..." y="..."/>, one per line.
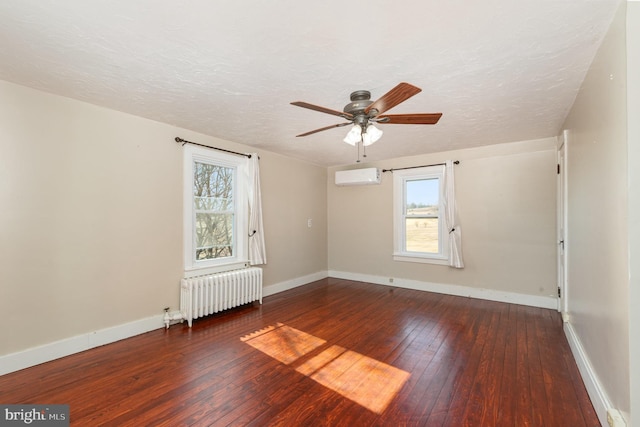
<point x="214" y="235"/>
<point x="214" y="211"/>
<point x="422" y="197"/>
<point x="212" y="186"/>
<point x="421" y="220"/>
<point x="421" y="235"/>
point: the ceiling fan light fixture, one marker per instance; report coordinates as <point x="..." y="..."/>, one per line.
<point x="354" y="136"/>
<point x="371" y="135"/>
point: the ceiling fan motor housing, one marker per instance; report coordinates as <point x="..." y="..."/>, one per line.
<point x="360" y="100"/>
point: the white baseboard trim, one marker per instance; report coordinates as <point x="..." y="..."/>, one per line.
<point x="293" y="283"/>
<point x="458" y="290"/>
<point x="34" y="356"/>
<point x="65" y="347"/>
<point x="597" y="394"/>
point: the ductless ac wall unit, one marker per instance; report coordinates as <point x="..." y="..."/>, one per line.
<point x="366" y="176"/>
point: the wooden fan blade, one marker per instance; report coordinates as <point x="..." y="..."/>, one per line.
<point x="395" y="96"/>
<point x="325" y="128"/>
<point x="347" y="116"/>
<point x="410" y="119"/>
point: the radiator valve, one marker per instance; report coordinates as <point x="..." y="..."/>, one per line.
<point x="169" y="317"/>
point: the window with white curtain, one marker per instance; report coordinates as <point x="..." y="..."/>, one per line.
<point x="215" y="209"/>
<point x="420" y="233"/>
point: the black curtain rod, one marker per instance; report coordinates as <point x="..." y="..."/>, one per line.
<point x="457" y="162"/>
<point x="184" y="141"/>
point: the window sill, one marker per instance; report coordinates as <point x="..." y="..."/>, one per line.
<point x="420" y="259"/>
<point x="203" y="271"/>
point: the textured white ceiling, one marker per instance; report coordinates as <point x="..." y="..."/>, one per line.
<point x="498" y="70"/>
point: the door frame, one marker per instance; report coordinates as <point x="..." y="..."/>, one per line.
<point x="561" y="229"/>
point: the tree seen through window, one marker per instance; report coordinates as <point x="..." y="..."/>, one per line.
<point x="214" y="211"/>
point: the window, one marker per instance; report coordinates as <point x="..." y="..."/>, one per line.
<point x="419" y="223"/>
<point x="215" y="209"/>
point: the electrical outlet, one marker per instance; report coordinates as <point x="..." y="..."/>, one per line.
<point x="390" y="279"/>
<point x="614" y="418"/>
<point x="309" y="222"/>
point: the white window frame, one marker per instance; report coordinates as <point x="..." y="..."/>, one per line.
<point x="240" y="257"/>
<point x="400" y="178"/>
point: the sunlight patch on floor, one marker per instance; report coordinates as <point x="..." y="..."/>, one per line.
<point x="283" y="343"/>
<point x="362" y="379"/>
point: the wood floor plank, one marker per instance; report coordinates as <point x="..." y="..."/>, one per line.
<point x="490" y="388"/>
<point x="508" y="389"/>
<point x="359" y="355"/>
<point x="431" y="395"/>
<point x="483" y="388"/>
<point x="524" y="415"/>
<point x="556" y="378"/>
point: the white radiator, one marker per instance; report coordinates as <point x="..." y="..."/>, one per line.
<point x="204" y="295"/>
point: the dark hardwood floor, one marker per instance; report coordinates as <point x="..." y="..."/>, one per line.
<point x="333" y="352"/>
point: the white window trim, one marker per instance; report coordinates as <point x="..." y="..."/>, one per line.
<point x="400" y="177"/>
<point x="239" y="164"/>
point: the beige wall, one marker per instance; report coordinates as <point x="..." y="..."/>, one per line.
<point x="597" y="240"/>
<point x="506" y="197"/>
<point x="293" y="192"/>
<point x="633" y="136"/>
<point x="91" y="217"/>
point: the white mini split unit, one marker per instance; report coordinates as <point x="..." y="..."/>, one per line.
<point x="366" y="176"/>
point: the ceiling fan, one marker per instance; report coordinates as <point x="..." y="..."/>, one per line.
<point x="362" y="113"/>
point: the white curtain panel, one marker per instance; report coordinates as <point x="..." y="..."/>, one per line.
<point x="451" y="218"/>
<point x="257" y="252"/>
